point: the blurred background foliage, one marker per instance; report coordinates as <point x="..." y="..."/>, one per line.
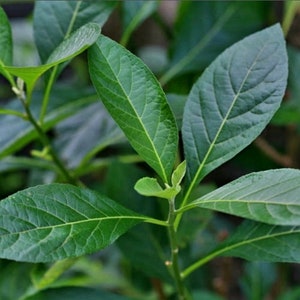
<point x="177" y="40"/>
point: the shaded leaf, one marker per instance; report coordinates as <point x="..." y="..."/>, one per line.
<point x="135" y="12"/>
<point x="261" y="242"/>
<point x="76" y="293"/>
<point x="136" y="101"/>
<point x="16" y="132"/>
<point x="257" y="242"/>
<point x="57" y="221"/>
<point x="54" y="21"/>
<point x="203" y="29"/>
<point x="92" y="127"/>
<point x="233" y="101"/>
<point x="6" y="47"/>
<point x="269" y="196"/>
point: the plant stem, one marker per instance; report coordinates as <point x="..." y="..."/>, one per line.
<point x="173" y="264"/>
<point x="45" y="141"/>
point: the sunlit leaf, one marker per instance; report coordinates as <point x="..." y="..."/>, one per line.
<point x="57" y="221"/>
<point x="233" y="101"/>
<point x="269" y="196"/>
<point x="137" y="103"/>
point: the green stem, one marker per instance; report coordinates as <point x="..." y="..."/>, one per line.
<point x="46" y="142"/>
<point x="173" y="264"/>
<point x="47" y="94"/>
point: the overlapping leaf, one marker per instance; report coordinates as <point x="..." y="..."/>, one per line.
<point x="203" y="29"/>
<point x="136" y="101"/>
<point x="54" y="21"/>
<point x="269" y="196"/>
<point x="57" y="221"/>
<point x="233" y="101"/>
<point x="135" y="12"/>
<point x="79" y="41"/>
<point x="16" y="132"/>
<point x="257" y="242"/>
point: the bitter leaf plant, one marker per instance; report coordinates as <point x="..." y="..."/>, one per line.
<point x="227" y="108"/>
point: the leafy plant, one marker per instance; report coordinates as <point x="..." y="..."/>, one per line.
<point x="227" y="107"/>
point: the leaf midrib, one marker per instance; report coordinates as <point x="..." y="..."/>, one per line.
<point x="211" y="147"/>
<point x="165" y="177"/>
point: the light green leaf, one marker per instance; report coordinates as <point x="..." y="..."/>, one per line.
<point x="178" y="174"/>
<point x="233" y="101"/>
<point x="136" y="101"/>
<point x="16" y="132"/>
<point x="135" y="12"/>
<point x="57" y="221"/>
<point x="54" y="21"/>
<point x="271" y="197"/>
<point x="203" y="29"/>
<point x="257" y="242"/>
<point x="150" y="187"/>
<point x="79" y="41"/>
<point x="6" y="47"/>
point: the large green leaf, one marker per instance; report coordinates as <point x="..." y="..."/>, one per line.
<point x="5" y="39"/>
<point x="269" y="196"/>
<point x="54" y="21"/>
<point x="134" y="13"/>
<point x="57" y="221"/>
<point x="203" y="29"/>
<point x="257" y="242"/>
<point x="136" y="101"/>
<point x="76" y="43"/>
<point x="233" y="101"/>
<point x="16" y="132"/>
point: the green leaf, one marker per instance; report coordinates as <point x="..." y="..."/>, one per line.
<point x="92" y="127"/>
<point x="150" y="187"/>
<point x="233" y="101"/>
<point x="16" y="132"/>
<point x="14" y="274"/>
<point x="135" y="12"/>
<point x="261" y="242"/>
<point x="203" y="29"/>
<point x="269" y="196"/>
<point x="79" y="41"/>
<point x="76" y="293"/>
<point x="57" y="221"/>
<point x="257" y="242"/>
<point x="136" y="101"/>
<point x="6" y="47"/>
<point x="55" y="21"/>
<point x="178" y="174"/>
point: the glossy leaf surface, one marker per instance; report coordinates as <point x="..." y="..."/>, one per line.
<point x="136" y="101"/>
<point x="269" y="196"/>
<point x="233" y="101"/>
<point x="57" y="221"/>
<point x="54" y="21"/>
